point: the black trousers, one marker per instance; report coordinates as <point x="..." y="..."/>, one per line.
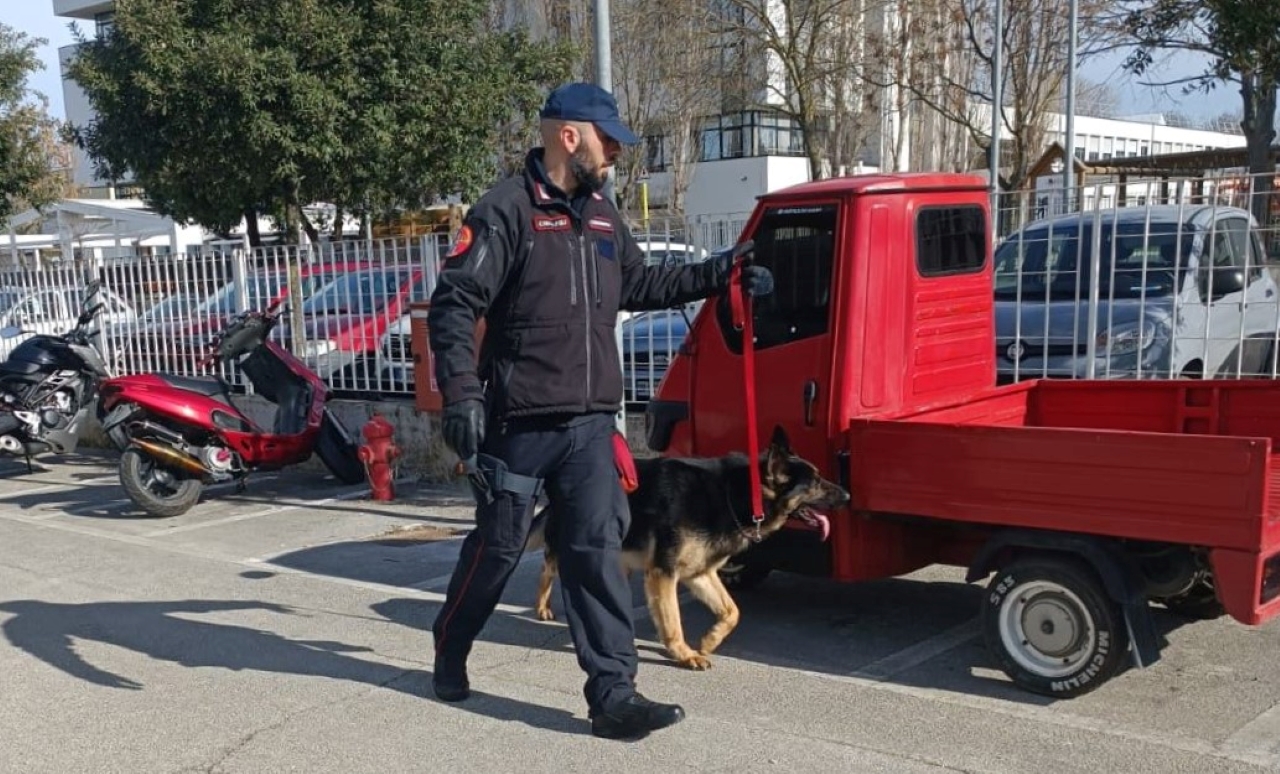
<point x="574" y="457"/>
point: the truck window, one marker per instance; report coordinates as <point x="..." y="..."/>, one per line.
<point x="950" y="240"/>
<point x="797" y="244"/>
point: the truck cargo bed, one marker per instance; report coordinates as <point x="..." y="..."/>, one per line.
<point x="1175" y="461"/>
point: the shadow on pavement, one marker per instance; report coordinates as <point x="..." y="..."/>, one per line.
<point x="48" y="632"/>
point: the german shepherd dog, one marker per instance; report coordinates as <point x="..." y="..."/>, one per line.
<point x="688" y="517"/>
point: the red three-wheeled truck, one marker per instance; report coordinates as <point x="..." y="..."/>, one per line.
<point x="1086" y="501"/>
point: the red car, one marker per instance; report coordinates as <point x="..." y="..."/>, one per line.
<point x="176" y="344"/>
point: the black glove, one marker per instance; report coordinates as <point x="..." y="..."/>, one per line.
<point x="757" y="280"/>
<point x="463" y="427"/>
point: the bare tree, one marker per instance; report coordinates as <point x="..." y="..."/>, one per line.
<point x="664" y="65"/>
<point x="1096" y="99"/>
<point x="1240" y="41"/>
<point x="1227" y="123"/>
<point x="1033" y="69"/>
<point x="813" y="54"/>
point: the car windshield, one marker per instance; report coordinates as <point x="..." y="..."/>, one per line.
<point x="174" y="307"/>
<point x="1138" y="261"/>
<point x="361" y="292"/>
<point x="261" y="290"/>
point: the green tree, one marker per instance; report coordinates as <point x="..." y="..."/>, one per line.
<point x="1241" y="38"/>
<point x="222" y="108"/>
<point x="29" y="175"/>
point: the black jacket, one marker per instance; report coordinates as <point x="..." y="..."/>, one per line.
<point x="549" y="276"/>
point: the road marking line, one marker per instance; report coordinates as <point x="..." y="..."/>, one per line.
<point x="219" y="522"/>
<point x="913" y="656"/>
<point x="441" y="582"/>
<point x="98" y="480"/>
<point x="1257" y="741"/>
<point x="37" y="490"/>
<point x="253" y="515"/>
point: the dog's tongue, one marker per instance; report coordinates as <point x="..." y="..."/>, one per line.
<point x="824" y="525"/>
<point x="817" y="520"/>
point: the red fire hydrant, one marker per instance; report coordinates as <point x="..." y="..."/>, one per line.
<point x="378" y="455"/>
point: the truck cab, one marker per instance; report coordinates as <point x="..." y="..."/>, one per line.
<point x="1086" y="500"/>
<point x="882" y="304"/>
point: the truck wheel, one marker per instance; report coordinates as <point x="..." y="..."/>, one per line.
<point x="155" y="489"/>
<point x="1053" y="628"/>
<point x="740" y="575"/>
<point x="337" y="450"/>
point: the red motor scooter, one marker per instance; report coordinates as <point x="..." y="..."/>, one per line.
<point x="179" y="433"/>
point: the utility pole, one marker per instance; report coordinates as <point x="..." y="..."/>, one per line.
<point x="1069" y="167"/>
<point x="997" y="117"/>
<point x="604" y="70"/>
<point x="604" y="79"/>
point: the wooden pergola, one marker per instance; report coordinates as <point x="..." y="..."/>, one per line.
<point x="1189" y="164"/>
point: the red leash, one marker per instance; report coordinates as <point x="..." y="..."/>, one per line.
<point x="740" y="306"/>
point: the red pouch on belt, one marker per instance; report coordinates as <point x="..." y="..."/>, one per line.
<point x="625" y="463"/>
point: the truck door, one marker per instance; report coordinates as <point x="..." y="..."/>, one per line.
<point x="797" y="244"/>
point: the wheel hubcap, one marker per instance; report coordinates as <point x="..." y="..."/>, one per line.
<point x="1050" y="625"/>
<point x="1046" y="628"/>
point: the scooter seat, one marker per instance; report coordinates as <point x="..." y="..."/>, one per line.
<point x="213" y="387"/>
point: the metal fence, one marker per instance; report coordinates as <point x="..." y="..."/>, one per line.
<point x="347" y="311"/>
<point x="1155" y="278"/>
<point x="1129" y="278"/>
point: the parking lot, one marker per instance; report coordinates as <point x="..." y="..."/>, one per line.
<point x="287" y="628"/>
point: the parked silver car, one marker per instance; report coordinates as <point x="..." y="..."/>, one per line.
<point x="1183" y="291"/>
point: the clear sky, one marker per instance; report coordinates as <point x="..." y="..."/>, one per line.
<point x="36" y="19"/>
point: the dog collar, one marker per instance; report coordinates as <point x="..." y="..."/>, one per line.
<point x="751" y="532"/>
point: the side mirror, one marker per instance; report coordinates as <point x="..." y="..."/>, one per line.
<point x="1220" y="281"/>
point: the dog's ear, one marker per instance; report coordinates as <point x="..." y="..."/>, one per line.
<point x="780" y="438"/>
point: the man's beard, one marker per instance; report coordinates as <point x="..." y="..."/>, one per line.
<point x="586" y="180"/>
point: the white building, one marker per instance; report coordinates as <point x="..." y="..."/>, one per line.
<point x="93" y="16"/>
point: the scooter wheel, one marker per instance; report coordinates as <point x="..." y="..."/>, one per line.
<point x="156" y="489"/>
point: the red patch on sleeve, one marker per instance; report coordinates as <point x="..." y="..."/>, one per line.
<point x="461" y="244"/>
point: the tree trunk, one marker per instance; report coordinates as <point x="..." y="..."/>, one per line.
<point x="251" y="227"/>
<point x="312" y="232"/>
<point x="1259" y="128"/>
<point x="294" y="216"/>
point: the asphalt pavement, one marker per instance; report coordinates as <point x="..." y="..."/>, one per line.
<point x="287" y="628"/>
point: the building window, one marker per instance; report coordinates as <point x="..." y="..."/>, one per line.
<point x="655" y="153"/>
<point x="750" y="133"/>
<point x="104" y="23"/>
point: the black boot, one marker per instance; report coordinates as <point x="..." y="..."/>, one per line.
<point x="449" y="679"/>
<point x="634" y="717"/>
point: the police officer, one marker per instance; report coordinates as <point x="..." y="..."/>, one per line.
<point x="547" y="262"/>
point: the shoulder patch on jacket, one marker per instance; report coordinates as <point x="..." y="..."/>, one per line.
<point x="462" y="243"/>
<point x="551" y="222"/>
<point x="600" y="224"/>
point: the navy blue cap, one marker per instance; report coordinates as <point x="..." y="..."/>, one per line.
<point x="588" y="102"/>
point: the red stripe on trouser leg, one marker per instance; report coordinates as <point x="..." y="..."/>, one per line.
<point x="462" y="593"/>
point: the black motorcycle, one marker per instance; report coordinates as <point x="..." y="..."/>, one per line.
<point x="48" y="384"/>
